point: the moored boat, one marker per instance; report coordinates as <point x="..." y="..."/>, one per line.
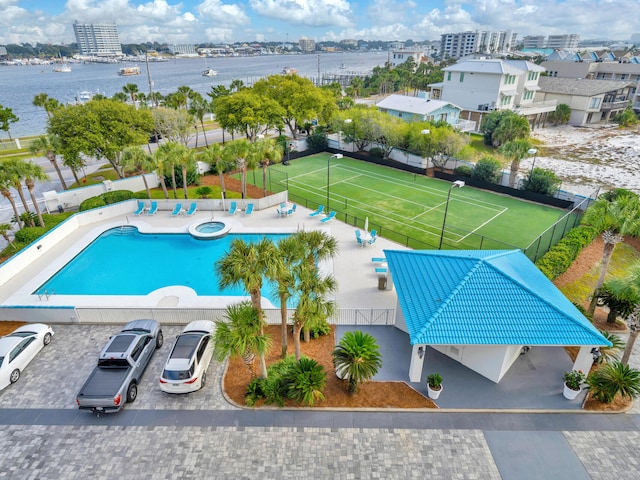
<point x="129" y="70"/>
<point x="209" y="72"/>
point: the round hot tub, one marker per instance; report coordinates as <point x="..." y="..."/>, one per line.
<point x="210" y="229"/>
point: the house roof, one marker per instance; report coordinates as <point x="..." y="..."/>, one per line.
<point x="483" y="297"/>
<point x="416" y="105"/>
<point x="494" y="66"/>
<point x="580" y="86"/>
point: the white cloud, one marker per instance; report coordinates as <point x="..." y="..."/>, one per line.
<point x="226" y="14"/>
<point x="317" y="13"/>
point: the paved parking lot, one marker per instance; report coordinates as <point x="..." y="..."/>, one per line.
<point x="200" y="435"/>
<point x="56" y="375"/>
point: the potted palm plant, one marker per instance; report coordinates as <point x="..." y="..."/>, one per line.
<point x="434" y="385"/>
<point x="573" y="381"/>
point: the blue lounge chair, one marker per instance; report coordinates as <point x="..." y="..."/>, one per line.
<point x="249" y="210"/>
<point x="292" y="210"/>
<point x="153" y="209"/>
<point x="141" y="208"/>
<point x="177" y="210"/>
<point x="381" y="270"/>
<point x="233" y="208"/>
<point x="317" y="212"/>
<point x="379" y="260"/>
<point x="329" y="217"/>
<point x="192" y="209"/>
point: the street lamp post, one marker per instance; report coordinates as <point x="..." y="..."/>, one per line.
<point x="532" y="151"/>
<point x="457" y="184"/>
<point x="426" y="131"/>
<point x="337" y="155"/>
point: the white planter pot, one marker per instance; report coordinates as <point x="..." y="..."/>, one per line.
<point x="434" y="394"/>
<point x="570" y="394"/>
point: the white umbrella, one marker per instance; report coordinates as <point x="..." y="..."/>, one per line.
<point x="366" y="224"/>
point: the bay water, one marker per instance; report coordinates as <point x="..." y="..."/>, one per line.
<point x="20" y="84"/>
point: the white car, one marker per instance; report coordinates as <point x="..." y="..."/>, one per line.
<point x="20" y="347"/>
<point x="186" y="368"/>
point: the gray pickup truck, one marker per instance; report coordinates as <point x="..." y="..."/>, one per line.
<point x="120" y="366"/>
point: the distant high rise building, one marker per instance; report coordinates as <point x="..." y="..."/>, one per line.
<point x="97" y="39"/>
<point x="457" y="45"/>
<point x="307" y="44"/>
<point x="563" y="41"/>
<point x="534" y="41"/>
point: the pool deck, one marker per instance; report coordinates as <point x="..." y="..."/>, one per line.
<point x="352" y="267"/>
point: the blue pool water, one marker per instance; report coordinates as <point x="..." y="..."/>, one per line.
<point x="123" y="261"/>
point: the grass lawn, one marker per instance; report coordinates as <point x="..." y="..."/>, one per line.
<point x="401" y="205"/>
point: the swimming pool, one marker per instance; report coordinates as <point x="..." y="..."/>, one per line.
<point x="123" y="261"/>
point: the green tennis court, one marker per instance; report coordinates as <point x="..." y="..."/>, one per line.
<point x="402" y="204"/>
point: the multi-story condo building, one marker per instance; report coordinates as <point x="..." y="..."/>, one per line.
<point x="457" y="45"/>
<point x="532" y="42"/>
<point x="307" y="44"/>
<point x="184" y="49"/>
<point x="398" y="57"/>
<point x="97" y="39"/>
<point x="557" y="42"/>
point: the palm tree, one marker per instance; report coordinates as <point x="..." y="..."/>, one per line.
<point x="214" y="156"/>
<point x="131" y="89"/>
<point x="5" y="228"/>
<point x="160" y="167"/>
<point x="33" y="173"/>
<point x="168" y="154"/>
<point x="186" y="160"/>
<point x="357" y="358"/>
<point x="289" y="254"/>
<point x="198" y="107"/>
<point x="15" y="169"/>
<point x="5" y="184"/>
<point x="237" y="151"/>
<point x="616" y="214"/>
<point x="313" y="305"/>
<point x="44" y="101"/>
<point x="49" y="144"/>
<point x="270" y="152"/>
<point x="135" y="159"/>
<point x="247" y="264"/>
<point x="240" y="333"/>
<point x="515" y="150"/>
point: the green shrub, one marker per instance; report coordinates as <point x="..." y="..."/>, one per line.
<point x="305" y="381"/>
<point x="29" y="234"/>
<point x="377" y="153"/>
<point x="488" y="169"/>
<point x="612" y="379"/>
<point x="204" y="192"/>
<point x="318" y="140"/>
<point x="117" y="196"/>
<point x="322" y="328"/>
<point x="560" y="257"/>
<point x="91" y="203"/>
<point x="254" y="392"/>
<point x="463" y="171"/>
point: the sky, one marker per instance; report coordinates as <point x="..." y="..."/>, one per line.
<point x="228" y="21"/>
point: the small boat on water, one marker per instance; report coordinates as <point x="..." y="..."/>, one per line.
<point x="129" y="71"/>
<point x="209" y="72"/>
<point x="64" y="68"/>
<point x="289" y="71"/>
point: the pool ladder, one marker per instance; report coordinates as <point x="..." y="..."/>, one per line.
<point x="46" y="294"/>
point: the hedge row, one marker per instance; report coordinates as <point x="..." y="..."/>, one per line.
<point x="106" y="198"/>
<point x="560" y="257"/>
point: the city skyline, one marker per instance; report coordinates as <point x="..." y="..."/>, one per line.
<point x="222" y="21"/>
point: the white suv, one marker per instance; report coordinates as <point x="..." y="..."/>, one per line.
<point x="186" y="368"/>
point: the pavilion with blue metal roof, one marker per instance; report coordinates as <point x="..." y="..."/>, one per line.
<point x="481" y="307"/>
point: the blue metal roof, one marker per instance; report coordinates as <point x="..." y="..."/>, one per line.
<point x="484" y="297"/>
